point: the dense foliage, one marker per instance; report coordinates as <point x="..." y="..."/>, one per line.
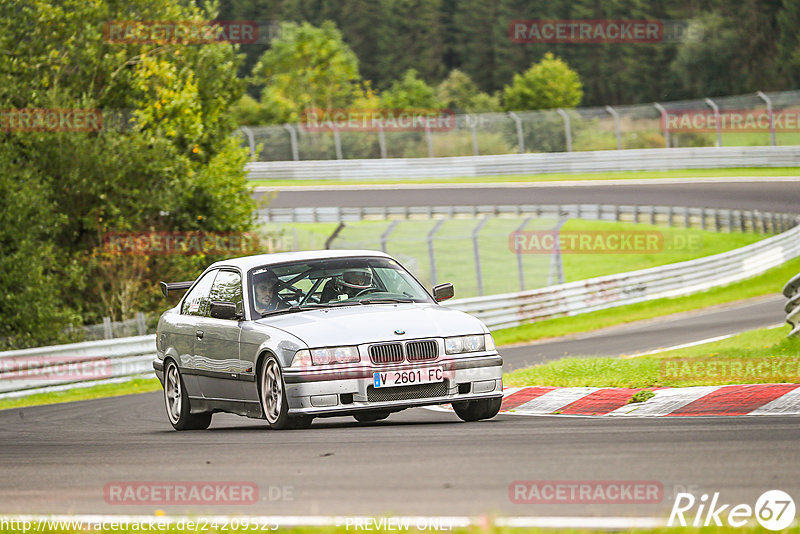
<point x="170" y="163"/>
<point x="731" y="48"/>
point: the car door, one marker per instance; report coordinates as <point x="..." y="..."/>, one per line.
<point x="217" y="344"/>
<point x="184" y="336"/>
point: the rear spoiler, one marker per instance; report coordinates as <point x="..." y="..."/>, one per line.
<point x="166" y="287"/>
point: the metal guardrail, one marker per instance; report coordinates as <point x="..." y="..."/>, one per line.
<point x="512" y="309"/>
<point x="95" y="362"/>
<point x="704" y="218"/>
<point x="76" y="364"/>
<point x="515" y="164"/>
<point x="792" y="292"/>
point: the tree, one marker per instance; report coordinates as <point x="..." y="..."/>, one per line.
<point x="308" y="67"/>
<point x="174" y="166"/>
<point x="409" y="92"/>
<point x="459" y="93"/>
<point x="545" y="85"/>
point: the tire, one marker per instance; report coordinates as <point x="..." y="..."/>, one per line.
<point x="477" y="409"/>
<point x="370" y="417"/>
<point x="274" y="405"/>
<point x="176" y="401"/>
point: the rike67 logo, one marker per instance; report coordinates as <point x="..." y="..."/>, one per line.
<point x="774" y="510"/>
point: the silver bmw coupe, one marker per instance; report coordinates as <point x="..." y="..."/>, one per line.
<point x="292" y="336"/>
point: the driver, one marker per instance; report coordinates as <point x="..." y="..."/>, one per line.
<point x="265" y="292"/>
<point x="349" y="284"/>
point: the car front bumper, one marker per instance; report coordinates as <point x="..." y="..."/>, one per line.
<point x="351" y="390"/>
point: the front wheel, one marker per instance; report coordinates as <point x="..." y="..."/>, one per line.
<point x="176" y="400"/>
<point x="477" y="409"/>
<point x="273" y="399"/>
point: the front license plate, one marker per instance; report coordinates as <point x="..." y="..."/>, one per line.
<point x="408" y="377"/>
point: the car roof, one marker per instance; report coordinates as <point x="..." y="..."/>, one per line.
<point x="246" y="263"/>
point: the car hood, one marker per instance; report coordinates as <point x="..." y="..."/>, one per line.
<point x="372" y="323"/>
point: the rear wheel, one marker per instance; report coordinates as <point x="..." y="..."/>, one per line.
<point x="176" y="400"/>
<point x="477" y="409"/>
<point x="369" y="417"/>
<point x="273" y="399"/>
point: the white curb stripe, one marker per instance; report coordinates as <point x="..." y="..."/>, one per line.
<point x="665" y="401"/>
<point x="787" y="404"/>
<point x="553" y="400"/>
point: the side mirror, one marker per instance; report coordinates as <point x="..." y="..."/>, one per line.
<point x="224" y="310"/>
<point x="443" y="292"/>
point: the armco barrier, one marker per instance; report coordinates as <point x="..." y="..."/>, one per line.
<point x="792" y="292"/>
<point x="57" y="366"/>
<point x="127" y="357"/>
<point x="511" y="309"/>
<point x="714" y="219"/>
<point x="543" y="163"/>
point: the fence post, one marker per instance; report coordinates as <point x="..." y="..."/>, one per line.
<point x="520" y="268"/>
<point x="251" y="141"/>
<point x="431" y="256"/>
<point x="520" y="138"/>
<point x="476" y="251"/>
<point x="337" y="141"/>
<point x="141" y="326"/>
<point x="429" y="138"/>
<point x="567" y="128"/>
<point x="472" y="123"/>
<point x="108" y="331"/>
<point x="768" y="101"/>
<point x="617" y="130"/>
<point x="382" y="140"/>
<point x="556" y="275"/>
<point x="716" y="119"/>
<point x="664" y="123"/>
<point x="385" y="235"/>
<point x="293" y="140"/>
<point x="333" y="236"/>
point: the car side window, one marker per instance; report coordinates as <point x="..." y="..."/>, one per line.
<point x="197" y="301"/>
<point x="227" y="287"/>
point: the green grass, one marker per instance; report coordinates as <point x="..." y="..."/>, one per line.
<point x="626" y="175"/>
<point x="138" y="385"/>
<point x="770" y="282"/>
<point x="735" y="362"/>
<point x="455" y="259"/>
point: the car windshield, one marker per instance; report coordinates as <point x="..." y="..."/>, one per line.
<point x="332" y="282"/>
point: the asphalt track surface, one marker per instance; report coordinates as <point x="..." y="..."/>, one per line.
<point x="655" y="334"/>
<point x="761" y="194"/>
<point x="59" y="458"/>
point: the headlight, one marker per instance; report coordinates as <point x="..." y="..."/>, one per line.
<point x="305" y="357"/>
<point x="457" y="345"/>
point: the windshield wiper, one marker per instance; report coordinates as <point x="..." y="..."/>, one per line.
<point x="309" y="306"/>
<point x="387" y="300"/>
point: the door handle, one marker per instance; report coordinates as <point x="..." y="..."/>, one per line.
<point x="199" y="334"/>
